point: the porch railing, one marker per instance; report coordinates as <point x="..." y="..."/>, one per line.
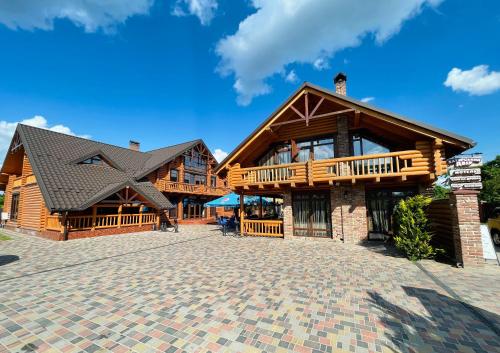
<point x="262" y="228"/>
<point x="109" y="221"/>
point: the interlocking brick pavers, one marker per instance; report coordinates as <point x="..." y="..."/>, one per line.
<point x="197" y="291"/>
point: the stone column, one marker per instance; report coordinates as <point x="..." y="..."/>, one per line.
<point x="466" y="227"/>
<point x="349" y="219"/>
<point x="343" y="145"/>
<point x="287" y="215"/>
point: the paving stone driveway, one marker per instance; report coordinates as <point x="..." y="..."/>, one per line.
<point x="197" y="291"/>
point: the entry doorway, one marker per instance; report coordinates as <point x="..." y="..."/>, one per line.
<point x="381" y="205"/>
<point x="311" y="214"/>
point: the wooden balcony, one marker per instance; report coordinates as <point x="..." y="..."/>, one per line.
<point x="376" y="167"/>
<point x="171" y="186"/>
<point x="101" y="221"/>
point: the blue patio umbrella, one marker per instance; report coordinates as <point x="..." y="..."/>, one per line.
<point x="233" y="200"/>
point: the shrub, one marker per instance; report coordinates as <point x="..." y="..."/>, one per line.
<point x="440" y="193"/>
<point x="413" y="234"/>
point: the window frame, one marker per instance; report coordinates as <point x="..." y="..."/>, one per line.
<point x="14" y="204"/>
<point x="176" y="172"/>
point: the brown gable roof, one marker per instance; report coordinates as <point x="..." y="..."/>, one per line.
<point x="68" y="185"/>
<point x="352" y="102"/>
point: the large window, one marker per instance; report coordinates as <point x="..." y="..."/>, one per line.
<point x="280" y="154"/>
<point x="362" y="146"/>
<point x="316" y="149"/>
<point x="190" y="178"/>
<point x="14" y="207"/>
<point x="195" y="161"/>
<point x="174" y="175"/>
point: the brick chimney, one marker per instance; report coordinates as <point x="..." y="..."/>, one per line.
<point x="134" y="145"/>
<point x="340" y="82"/>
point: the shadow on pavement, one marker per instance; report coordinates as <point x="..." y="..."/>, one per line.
<point x="382" y="247"/>
<point x="7" y="259"/>
<point x="448" y="326"/>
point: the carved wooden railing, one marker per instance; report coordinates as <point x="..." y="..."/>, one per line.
<point x="109" y="221"/>
<point x="370" y="166"/>
<point x="172" y="186"/>
<point x="275" y="174"/>
<point x="262" y="228"/>
<point x="375" y="166"/>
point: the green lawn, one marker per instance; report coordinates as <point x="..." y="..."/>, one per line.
<point x="4" y="237"/>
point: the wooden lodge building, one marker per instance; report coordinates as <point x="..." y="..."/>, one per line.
<point x="66" y="187"/>
<point x="339" y="164"/>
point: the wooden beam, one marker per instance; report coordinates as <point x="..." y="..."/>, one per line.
<point x="326" y="115"/>
<point x="317" y="106"/>
<point x="307" y="108"/>
<point x="298" y="113"/>
<point x="357" y="119"/>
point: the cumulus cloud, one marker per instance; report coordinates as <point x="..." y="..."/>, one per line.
<point x="92" y="15"/>
<point x="7" y="130"/>
<point x="292" y="77"/>
<point x="477" y="81"/>
<point x="367" y="99"/>
<point x="219" y="154"/>
<point x="203" y="9"/>
<point x="281" y="32"/>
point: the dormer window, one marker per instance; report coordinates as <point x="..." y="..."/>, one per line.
<point x="93" y="160"/>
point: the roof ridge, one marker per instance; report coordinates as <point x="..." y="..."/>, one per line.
<point x="177" y="144"/>
<point x="80" y="138"/>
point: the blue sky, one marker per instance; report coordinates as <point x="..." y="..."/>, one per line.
<point x="167" y="71"/>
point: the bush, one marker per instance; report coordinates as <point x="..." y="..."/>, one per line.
<point x="440" y="193"/>
<point x="413" y="234"/>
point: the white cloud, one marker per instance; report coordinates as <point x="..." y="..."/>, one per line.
<point x="282" y="32"/>
<point x="219" y="154"/>
<point x="7" y="130"/>
<point x="367" y="99"/>
<point x="292" y="77"/>
<point x="477" y="81"/>
<point x="321" y="64"/>
<point x="203" y="9"/>
<point x="89" y="14"/>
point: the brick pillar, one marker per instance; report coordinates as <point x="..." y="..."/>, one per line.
<point x="349" y="219"/>
<point x="466" y="227"/>
<point x="287" y="215"/>
<point x="343" y="145"/>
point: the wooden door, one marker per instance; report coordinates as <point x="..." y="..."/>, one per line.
<point x="311" y="214"/>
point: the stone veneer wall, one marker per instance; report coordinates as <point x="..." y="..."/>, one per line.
<point x="343" y="145"/>
<point x="467" y="227"/>
<point x="348" y="207"/>
<point x="287" y="215"/>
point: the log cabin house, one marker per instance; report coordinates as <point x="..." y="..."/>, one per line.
<point x="65" y="187"/>
<point x="339" y="164"/>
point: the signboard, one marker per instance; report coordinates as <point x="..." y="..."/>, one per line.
<point x="489" y="252"/>
<point x="465" y="172"/>
<point x="5" y="216"/>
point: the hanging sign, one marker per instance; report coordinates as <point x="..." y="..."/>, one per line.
<point x="465" y="172"/>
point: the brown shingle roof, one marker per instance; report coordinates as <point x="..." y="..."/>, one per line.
<point x="68" y="185"/>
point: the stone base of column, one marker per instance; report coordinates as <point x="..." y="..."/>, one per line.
<point x="467" y="227"/>
<point x="287" y="215"/>
<point x="348" y="207"/>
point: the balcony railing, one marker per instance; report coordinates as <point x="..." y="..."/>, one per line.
<point x="275" y="174"/>
<point x="374" y="167"/>
<point x="172" y="186"/>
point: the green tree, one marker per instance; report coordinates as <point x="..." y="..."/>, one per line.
<point x="490" y="173"/>
<point x="2" y="197"/>
<point x="413" y="231"/>
<point x="440" y="192"/>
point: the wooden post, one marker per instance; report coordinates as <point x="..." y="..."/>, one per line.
<point x="260" y="206"/>
<point x="94" y="215"/>
<point x="438" y="143"/>
<point x="242" y="212"/>
<point x="140" y="215"/>
<point x="120" y="216"/>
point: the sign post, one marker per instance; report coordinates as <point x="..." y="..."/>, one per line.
<point x="465" y="172"/>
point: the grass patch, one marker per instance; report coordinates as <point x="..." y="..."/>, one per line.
<point x="4" y="237"/>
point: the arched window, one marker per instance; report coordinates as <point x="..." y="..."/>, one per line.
<point x="362" y="146"/>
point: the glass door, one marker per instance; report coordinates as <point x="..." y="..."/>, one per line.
<point x="311" y="214"/>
